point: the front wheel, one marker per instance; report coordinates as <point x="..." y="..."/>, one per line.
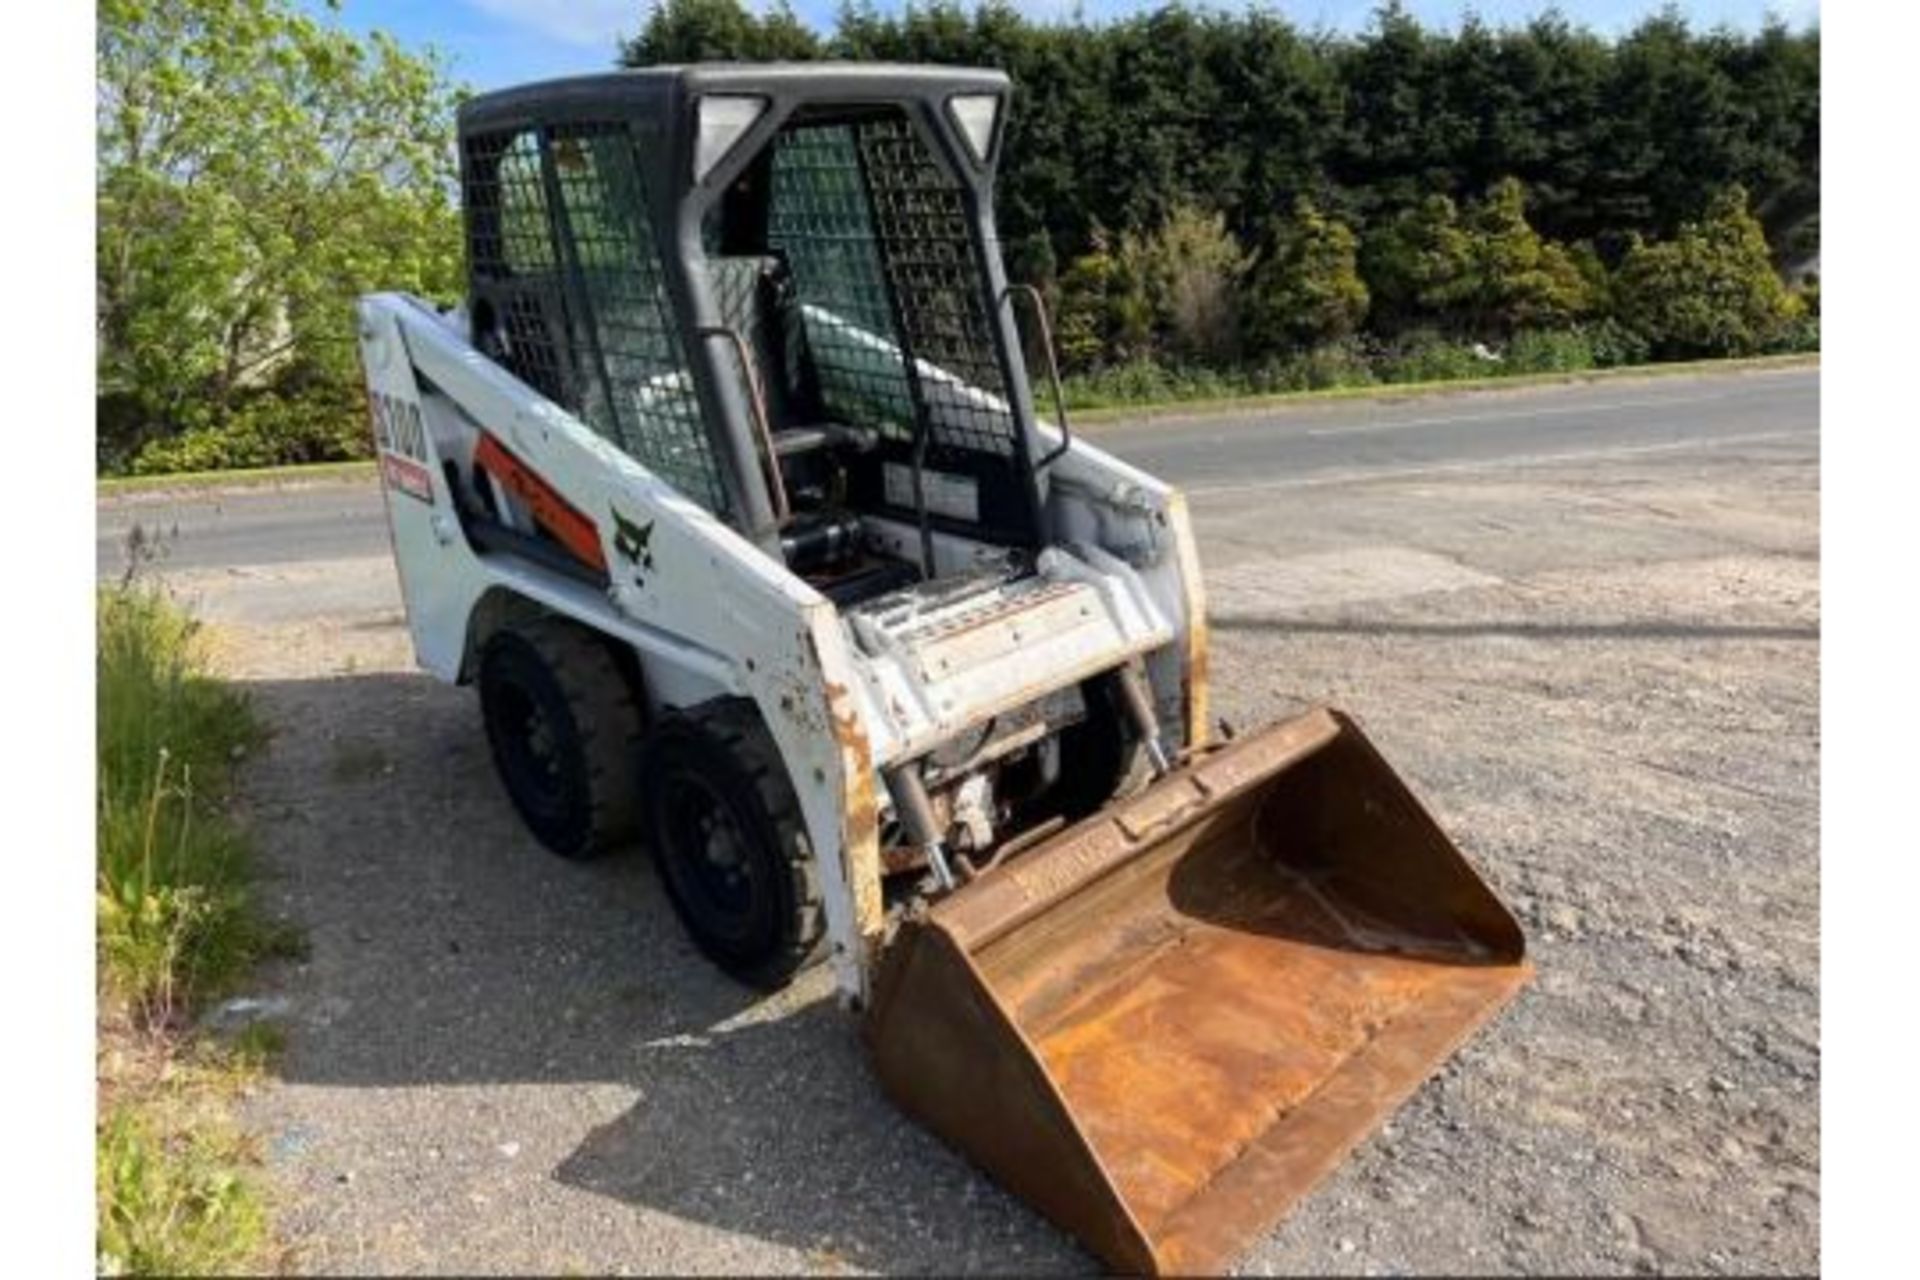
<point x="730" y="843"/>
<point x="1101" y="755"/>
<point x="564" y="730"/>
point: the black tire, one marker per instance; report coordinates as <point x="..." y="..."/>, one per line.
<point x="565" y="731"/>
<point x="729" y="841"/>
<point x="1101" y="756"/>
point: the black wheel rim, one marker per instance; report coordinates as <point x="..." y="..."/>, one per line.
<point x="711" y="849"/>
<point x="529" y="751"/>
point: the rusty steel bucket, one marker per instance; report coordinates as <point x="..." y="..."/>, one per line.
<point x="1164" y="1025"/>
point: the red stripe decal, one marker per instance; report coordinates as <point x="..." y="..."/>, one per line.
<point x="551" y="512"/>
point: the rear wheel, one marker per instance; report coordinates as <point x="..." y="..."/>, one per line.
<point x="564" y="730"/>
<point x="730" y="842"/>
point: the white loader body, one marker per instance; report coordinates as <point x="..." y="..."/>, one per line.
<point x="845" y="693"/>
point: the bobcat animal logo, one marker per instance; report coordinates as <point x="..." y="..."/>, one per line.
<point x="634" y="542"/>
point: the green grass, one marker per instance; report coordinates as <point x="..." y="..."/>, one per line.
<point x="175" y="928"/>
<point x="237" y="478"/>
<point x="174" y="1199"/>
<point x="1090" y="406"/>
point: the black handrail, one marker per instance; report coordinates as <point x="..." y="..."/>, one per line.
<point x="1053" y="370"/>
<point x="762" y="427"/>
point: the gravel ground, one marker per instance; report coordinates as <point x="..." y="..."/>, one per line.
<point x="1602" y="676"/>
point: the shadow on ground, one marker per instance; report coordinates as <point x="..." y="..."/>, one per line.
<point x="448" y="949"/>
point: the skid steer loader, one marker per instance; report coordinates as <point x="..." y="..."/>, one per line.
<point x="727" y="488"/>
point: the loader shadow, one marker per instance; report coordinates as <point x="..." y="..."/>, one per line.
<point x="446" y="948"/>
<point x="1518" y="630"/>
<point x="779" y="1132"/>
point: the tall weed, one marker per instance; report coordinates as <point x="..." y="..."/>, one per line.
<point x="173" y="927"/>
<point x="170" y="897"/>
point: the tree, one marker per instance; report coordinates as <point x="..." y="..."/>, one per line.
<point x="1421" y="264"/>
<point x="1777" y="76"/>
<point x="1106" y="305"/>
<point x="258" y="167"/>
<point x="1172" y="291"/>
<point x="1487" y="272"/>
<point x="1190" y="268"/>
<point x="1387" y="155"/>
<point x="1083" y="313"/>
<point x="1711" y="290"/>
<point x="719" y="31"/>
<point x="1519" y="280"/>
<point x="1306" y="290"/>
<point x="257" y="170"/>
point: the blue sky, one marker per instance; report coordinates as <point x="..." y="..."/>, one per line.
<point x="498" y="42"/>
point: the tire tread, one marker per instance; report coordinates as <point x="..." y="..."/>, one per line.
<point x="734" y="726"/>
<point x="608" y="721"/>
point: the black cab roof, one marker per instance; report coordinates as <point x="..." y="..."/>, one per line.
<point x="661" y="93"/>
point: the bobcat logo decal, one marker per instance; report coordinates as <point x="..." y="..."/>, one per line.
<point x="634" y="543"/>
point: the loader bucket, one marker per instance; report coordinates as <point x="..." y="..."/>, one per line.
<point x="1165" y="1024"/>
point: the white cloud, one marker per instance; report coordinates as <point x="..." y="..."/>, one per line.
<point x="598" y="23"/>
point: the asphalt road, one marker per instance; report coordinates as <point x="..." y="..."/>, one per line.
<point x="1221" y="457"/>
<point x="1582" y="623"/>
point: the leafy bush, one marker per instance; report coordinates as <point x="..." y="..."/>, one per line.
<point x="1614" y="344"/>
<point x="1091" y="321"/>
<point x="1149" y="382"/>
<point x="320" y="422"/>
<point x="1427" y="356"/>
<point x="1807" y="293"/>
<point x="1710" y="291"/>
<point x="1484" y="272"/>
<point x="1801" y="333"/>
<point x="1332" y="365"/>
<point x="1549" y="351"/>
<point x="1307" y="290"/>
<point x="1191" y="266"/>
<point x="1420" y="264"/>
<point x="1518" y="278"/>
<point x="1172" y="292"/>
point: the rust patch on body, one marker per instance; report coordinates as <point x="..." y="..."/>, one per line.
<point x="1194" y="680"/>
<point x="859" y="807"/>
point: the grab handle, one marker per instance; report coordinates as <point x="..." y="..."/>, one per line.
<point x="1053" y="369"/>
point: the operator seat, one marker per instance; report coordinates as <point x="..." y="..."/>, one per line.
<point x="819" y="539"/>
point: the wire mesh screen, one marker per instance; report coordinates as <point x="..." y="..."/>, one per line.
<point x="644" y="398"/>
<point x="509" y="244"/>
<point x="608" y="349"/>
<point x="891" y="287"/>
<point x="818" y="215"/>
